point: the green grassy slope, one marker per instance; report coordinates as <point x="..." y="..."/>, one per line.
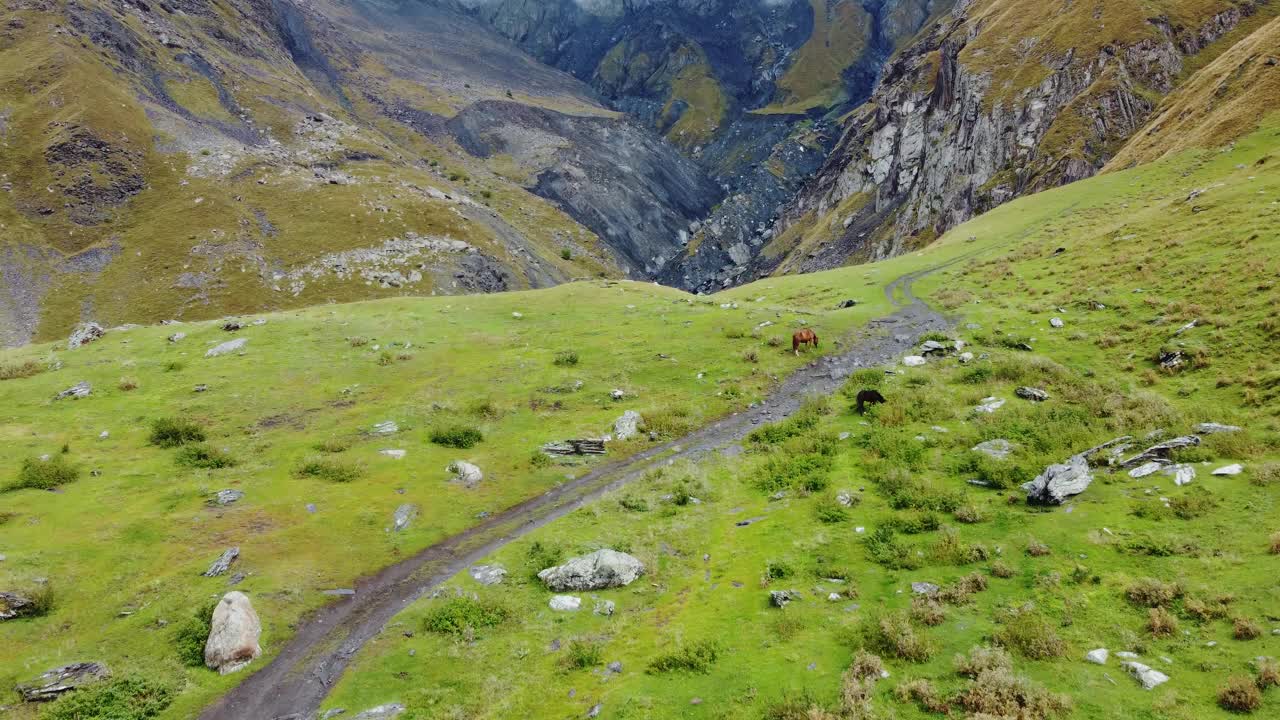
<point x="122" y="551"/>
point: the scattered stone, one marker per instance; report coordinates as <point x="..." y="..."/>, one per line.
<point x="1060" y="481"/>
<point x="104" y="435"/>
<point x="966" y="357"/>
<point x="990" y="405"/>
<point x="1209" y="428"/>
<point x="393" y="453"/>
<point x="604" y="607"/>
<point x="311" y="508"/>
<point x="924" y="588"/>
<point x="1056" y="322"/>
<point x="226" y="497"/>
<point x="1182" y="473"/>
<point x="14" y="605"/>
<point x="595" y="710"/>
<point x="601" y="569"/>
<point x="1170" y="359"/>
<point x="565" y="603"/>
<point x="614" y="667"/>
<point x="1146" y="677"/>
<point x="233" y="634"/>
<point x="233" y="325"/>
<point x="860" y="529"/>
<point x="1126" y="655"/>
<point x="1097" y="657"/>
<point x="781" y="598"/>
<point x="617" y="394"/>
<point x="403" y="516"/>
<point x="381" y="712"/>
<point x="465" y="473"/>
<point x="997" y="449"/>
<point x="1032" y="394"/>
<point x="843" y="436"/>
<point x="177" y="337"/>
<point x="833" y="597"/>
<point x="1162" y="450"/>
<point x="516" y="314"/>
<point x="583" y="446"/>
<point x="1234" y="469"/>
<point x="229" y="346"/>
<point x="933" y="347"/>
<point x="913" y="361"/>
<point x="845" y="498"/>
<point x="57" y="681"/>
<point x="488" y="574"/>
<point x="223" y="563"/>
<point x="628" y="425"/>
<point x="85" y="334"/>
<point x="1145" y="469"/>
<point x="200" y="388"/>
<point x="77" y="391"/>
<point x="386" y="427"/>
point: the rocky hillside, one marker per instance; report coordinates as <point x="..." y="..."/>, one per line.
<point x="997" y="99"/>
<point x="193" y="159"/>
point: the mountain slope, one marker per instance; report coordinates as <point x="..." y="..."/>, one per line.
<point x="998" y="99"/>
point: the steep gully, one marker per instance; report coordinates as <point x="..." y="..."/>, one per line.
<point x="296" y="681"/>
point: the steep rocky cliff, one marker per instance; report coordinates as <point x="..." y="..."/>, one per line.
<point x="998" y="99"/>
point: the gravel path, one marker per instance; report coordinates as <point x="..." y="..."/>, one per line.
<point x="295" y="682"/>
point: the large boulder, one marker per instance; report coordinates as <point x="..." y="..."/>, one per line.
<point x="59" y="680"/>
<point x="601" y="569"/>
<point x="1060" y="481"/>
<point x="627" y="426"/>
<point x="14" y="605"/>
<point x="233" y="634"/>
<point x="465" y="473"/>
<point x="85" y="334"/>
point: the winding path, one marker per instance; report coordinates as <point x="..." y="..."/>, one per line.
<point x="295" y="682"/>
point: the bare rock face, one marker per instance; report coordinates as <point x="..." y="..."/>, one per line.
<point x="627" y="426"/>
<point x="600" y="570"/>
<point x="57" y="681"/>
<point x="465" y="473"/>
<point x="233" y="634"/>
<point x="1060" y="481"/>
<point x="85" y="334"/>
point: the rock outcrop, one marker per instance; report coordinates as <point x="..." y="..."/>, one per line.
<point x="57" y="681"/>
<point x="600" y="570"/>
<point x="234" y="632"/>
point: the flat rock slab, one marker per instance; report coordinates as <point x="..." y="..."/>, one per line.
<point x="997" y="449"/>
<point x="57" y="681"/>
<point x="1147" y="677"/>
<point x="1234" y="469"/>
<point x="227" y="347"/>
<point x="565" y="603"/>
<point x="488" y="574"/>
<point x="223" y="563"/>
<point x="1097" y="657"/>
<point x="381" y="712"/>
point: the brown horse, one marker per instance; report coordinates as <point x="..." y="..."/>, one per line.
<point x="803" y="337"/>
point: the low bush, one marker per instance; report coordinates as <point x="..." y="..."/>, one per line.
<point x="1268" y="673"/>
<point x="806" y="472"/>
<point x="541" y="556"/>
<point x="37" y="474"/>
<point x="980" y="659"/>
<point x="331" y="470"/>
<point x="927" y="611"/>
<point x="1193" y="504"/>
<point x="205" y="457"/>
<point x="998" y="693"/>
<point x="19" y="370"/>
<point x="566" y="358"/>
<point x="884" y="549"/>
<point x="830" y="510"/>
<point x="894" y="635"/>
<point x="460" y="437"/>
<point x="1243" y="628"/>
<point x="1029" y="634"/>
<point x="1001" y="569"/>
<point x="333" y="445"/>
<point x="583" y="654"/>
<point x="1150" y="593"/>
<point x="457" y="615"/>
<point x="125" y="698"/>
<point x="172" y="432"/>
<point x="695" y="657"/>
<point x="191" y="635"/>
<point x="1161" y="623"/>
<point x="633" y="503"/>
<point x="1035" y="548"/>
<point x="667" y="423"/>
<point x="1240" y="695"/>
<point x="128" y="383"/>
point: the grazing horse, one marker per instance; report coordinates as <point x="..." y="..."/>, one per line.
<point x="868" y="396"/>
<point x="803" y="337"/>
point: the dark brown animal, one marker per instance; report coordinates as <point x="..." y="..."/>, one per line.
<point x="803" y="337"/>
<point x="868" y="396"/>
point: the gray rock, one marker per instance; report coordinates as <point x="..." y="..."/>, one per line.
<point x="601" y="569"/>
<point x="223" y="563"/>
<point x="1182" y="473"/>
<point x="228" y="496"/>
<point x="998" y="449"/>
<point x="393" y="453"/>
<point x="85" y="334"/>
<point x="381" y="712"/>
<point x="614" y="667"/>
<point x="488" y="574"/>
<point x="386" y="427"/>
<point x="1032" y="394"/>
<point x="1162" y="450"/>
<point x="1126" y="655"/>
<point x="1097" y="657"/>
<point x="604" y="607"/>
<point x="1060" y="481"/>
<point x="565" y="603"/>
<point x="15" y="605"/>
<point x="229" y="346"/>
<point x="924" y="588"/>
<point x="595" y="710"/>
<point x="989" y="405"/>
<point x="845" y="498"/>
<point x="1056" y="322"/>
<point x="1146" y="469"/>
<point x="234" y="631"/>
<point x="627" y="426"/>
<point x="617" y="394"/>
<point x="77" y="391"/>
<point x="781" y="598"/>
<point x="966" y="357"/>
<point x="1210" y="428"/>
<point x="1234" y="469"/>
<point x="914" y="361"/>
<point x="933" y="347"/>
<point x="465" y="473"/>
<point x="177" y="337"/>
<point x="1147" y="677"/>
<point x="403" y="516"/>
<point x="57" y="681"/>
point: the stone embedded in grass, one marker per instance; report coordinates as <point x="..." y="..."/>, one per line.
<point x="617" y="394"/>
<point x="465" y="473"/>
<point x="1209" y="428"/>
<point x="488" y="574"/>
<point x="1182" y="473"/>
<point x="997" y="449"/>
<point x="604" y="607"/>
<point x="1097" y="657"/>
<point x="223" y="563"/>
<point x="914" y="361"/>
<point x="381" y="712"/>
<point x="1147" y="677"/>
<point x="924" y="588"/>
<point x="233" y="325"/>
<point x="1162" y="450"/>
<point x="403" y="516"/>
<point x="228" y="496"/>
<point x="227" y="347"/>
<point x="628" y="425"/>
<point x="600" y="570"/>
<point x="234" y="630"/>
<point x="1056" y="322"/>
<point x="1234" y="469"/>
<point x="393" y="453"/>
<point x="55" y="682"/>
<point x="966" y="357"/>
<point x="565" y="603"/>
<point x="386" y="427"/>
<point x="781" y="598"/>
<point x="1060" y="481"/>
<point x="176" y="337"/>
<point x="14" y="605"/>
<point x="1146" y="469"/>
<point x="77" y="391"/>
<point x="1032" y="394"/>
<point x="85" y="334"/>
<point x="990" y="405"/>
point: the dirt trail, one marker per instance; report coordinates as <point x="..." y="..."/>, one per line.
<point x="295" y="682"/>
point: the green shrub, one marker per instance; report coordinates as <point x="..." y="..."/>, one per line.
<point x="861" y="380"/>
<point x="566" y="254"/>
<point x="830" y="510"/>
<point x="583" y="654"/>
<point x="977" y="374"/>
<point x="1150" y="592"/>
<point x="566" y="358"/>
<point x="173" y="366"/>
<point x="457" y="436"/>
<point x="913" y="523"/>
<point x="696" y="657"/>
<point x="667" y="423"/>
<point x="172" y="432"/>
<point x="24" y="369"/>
<point x="893" y="634"/>
<point x="884" y="549"/>
<point x="541" y="556"/>
<point x="1193" y="504"/>
<point x="191" y="635"/>
<point x="539" y="459"/>
<point x="1029" y="634"/>
<point x="1240" y="695"/>
<point x="205" y="457"/>
<point x="458" y="614"/>
<point x="331" y="470"/>
<point x="37" y="474"/>
<point x="633" y="503"/>
<point x="126" y="698"/>
<point x="333" y="445"/>
<point x="804" y="472"/>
